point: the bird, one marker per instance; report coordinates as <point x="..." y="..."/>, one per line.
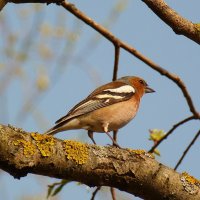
<point x="108" y="108"/>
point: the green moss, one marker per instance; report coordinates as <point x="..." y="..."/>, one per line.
<point x="76" y="151"/>
<point x="28" y="147"/>
<point x="44" y="143"/>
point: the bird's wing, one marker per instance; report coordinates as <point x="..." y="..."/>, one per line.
<point x="101" y="97"/>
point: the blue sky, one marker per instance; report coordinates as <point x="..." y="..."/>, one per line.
<point x="73" y="78"/>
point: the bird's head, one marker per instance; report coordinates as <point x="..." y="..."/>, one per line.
<point x="139" y="84"/>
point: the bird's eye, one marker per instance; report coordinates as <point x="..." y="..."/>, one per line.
<point x="142" y="82"/>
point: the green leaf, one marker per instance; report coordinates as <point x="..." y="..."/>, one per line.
<point x="55" y="188"/>
<point x="157" y="152"/>
<point x="156" y="135"/>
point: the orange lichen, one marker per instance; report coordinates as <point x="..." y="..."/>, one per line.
<point x="197" y="26"/>
<point x="76" y="151"/>
<point x="28" y="147"/>
<point x="44" y="143"/>
<point x="141" y="152"/>
<point x="138" y="151"/>
<point x="190" y="179"/>
<point x="190" y="183"/>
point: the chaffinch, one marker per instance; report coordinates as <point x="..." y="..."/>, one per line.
<point x="108" y="108"/>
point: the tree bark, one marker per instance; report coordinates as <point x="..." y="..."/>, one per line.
<point x="2" y="4"/>
<point x="179" y="24"/>
<point x="133" y="171"/>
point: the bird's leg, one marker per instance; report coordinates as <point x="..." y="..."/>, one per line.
<point x="90" y="134"/>
<point x="105" y="128"/>
<point x="115" y="135"/>
<point x="114" y="142"/>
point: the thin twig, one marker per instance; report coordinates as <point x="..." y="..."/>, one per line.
<point x="115" y="70"/>
<point x="113" y="194"/>
<point x="170" y="132"/>
<point x="116" y="62"/>
<point x="187" y="149"/>
<point x="103" y="31"/>
<point x="95" y="192"/>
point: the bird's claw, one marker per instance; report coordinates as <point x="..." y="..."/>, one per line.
<point x="115" y="145"/>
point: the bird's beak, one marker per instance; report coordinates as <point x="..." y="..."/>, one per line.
<point x="149" y="90"/>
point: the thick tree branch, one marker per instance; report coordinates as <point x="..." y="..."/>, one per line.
<point x="133" y="171"/>
<point x="180" y="25"/>
<point x="2" y="4"/>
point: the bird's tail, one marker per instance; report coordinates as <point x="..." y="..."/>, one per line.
<point x="59" y="127"/>
<point x="53" y="130"/>
<point x="63" y="126"/>
<point x="50" y="132"/>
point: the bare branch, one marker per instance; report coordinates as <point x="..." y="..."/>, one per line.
<point x="187" y="149"/>
<point x="115" y="70"/>
<point x="133" y="171"/>
<point x="180" y="25"/>
<point x="170" y="132"/>
<point x="113" y="193"/>
<point x="95" y="192"/>
<point x="2" y="4"/>
<point x="116" y="62"/>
